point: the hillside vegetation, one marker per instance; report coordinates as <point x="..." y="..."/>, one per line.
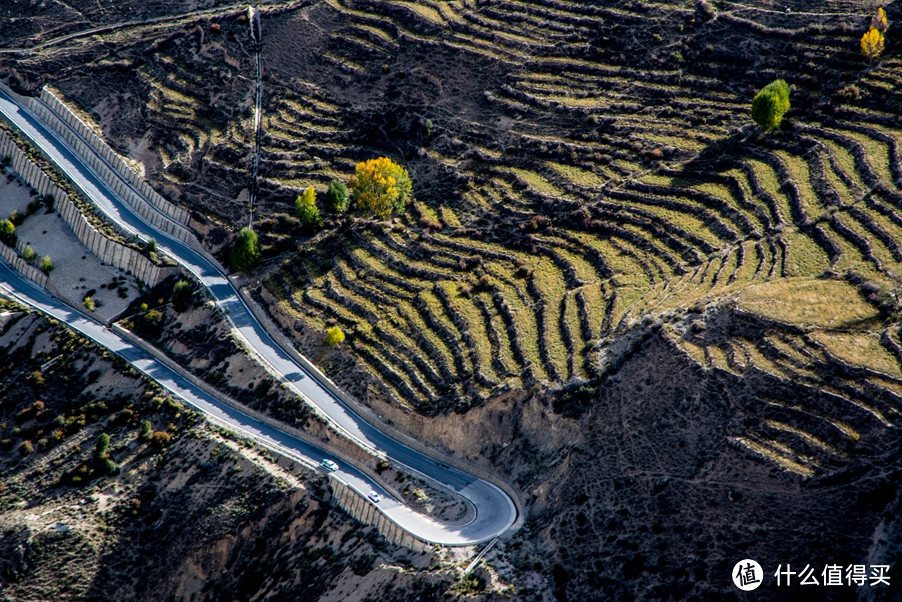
<point x="580" y="171"/>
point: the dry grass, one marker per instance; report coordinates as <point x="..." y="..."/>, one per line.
<point x="813" y="303"/>
<point x="860" y="349"/>
<point x="805" y="257"/>
<point x="775" y="456"/>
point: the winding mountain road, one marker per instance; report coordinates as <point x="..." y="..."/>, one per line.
<point x="495" y="512"/>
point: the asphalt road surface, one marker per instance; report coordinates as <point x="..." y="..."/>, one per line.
<point x="495" y="510"/>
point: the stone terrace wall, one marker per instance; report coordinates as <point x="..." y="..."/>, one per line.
<point x="109" y="251"/>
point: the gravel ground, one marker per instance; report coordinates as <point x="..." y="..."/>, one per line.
<point x="13" y="196"/>
<point x="76" y="270"/>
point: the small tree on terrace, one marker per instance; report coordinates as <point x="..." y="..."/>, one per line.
<point x="873" y="42"/>
<point x="879" y="22"/>
<point x="246" y="252"/>
<point x="334" y="336"/>
<point x="181" y="296"/>
<point x="103" y="446"/>
<point x="7" y="232"/>
<point x="337" y="197"/>
<point x="306" y="208"/>
<point x="380" y="186"/>
<point x="770" y="104"/>
<point x="160" y="439"/>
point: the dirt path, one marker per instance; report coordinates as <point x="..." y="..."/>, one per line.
<point x="123" y="25"/>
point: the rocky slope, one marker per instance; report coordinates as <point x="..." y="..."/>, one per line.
<point x="189" y="513"/>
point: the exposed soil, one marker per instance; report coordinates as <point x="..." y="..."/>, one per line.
<point x="637" y="491"/>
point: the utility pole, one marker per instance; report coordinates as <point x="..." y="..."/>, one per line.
<point x="253" y="14"/>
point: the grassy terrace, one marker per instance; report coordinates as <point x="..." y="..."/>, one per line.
<point x="787" y="227"/>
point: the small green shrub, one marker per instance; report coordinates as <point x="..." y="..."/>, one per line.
<point x="154" y="317"/>
<point x="28" y="253"/>
<point x="181" y="296"/>
<point x="363" y="564"/>
<point x="109" y="467"/>
<point x="46" y="264"/>
<point x="89" y="304"/>
<point x="146" y="431"/>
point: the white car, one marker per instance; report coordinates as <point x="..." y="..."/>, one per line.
<point x="329" y="464"/>
<point x="375" y="497"/>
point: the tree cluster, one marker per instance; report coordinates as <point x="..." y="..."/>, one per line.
<point x="378" y="187"/>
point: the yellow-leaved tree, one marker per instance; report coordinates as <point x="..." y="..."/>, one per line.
<point x="334" y="336"/>
<point x="872" y="43"/>
<point x="879" y="21"/>
<point x="380" y="186"/>
<point x="307" y="211"/>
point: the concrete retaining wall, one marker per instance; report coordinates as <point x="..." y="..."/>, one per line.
<point x="11" y="256"/>
<point x="27" y="170"/>
<point x="113" y="160"/>
<point x="366" y="512"/>
<point x="111" y="169"/>
<point x="109" y="251"/>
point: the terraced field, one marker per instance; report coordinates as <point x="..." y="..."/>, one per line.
<point x="621" y="189"/>
<point x="592" y="172"/>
